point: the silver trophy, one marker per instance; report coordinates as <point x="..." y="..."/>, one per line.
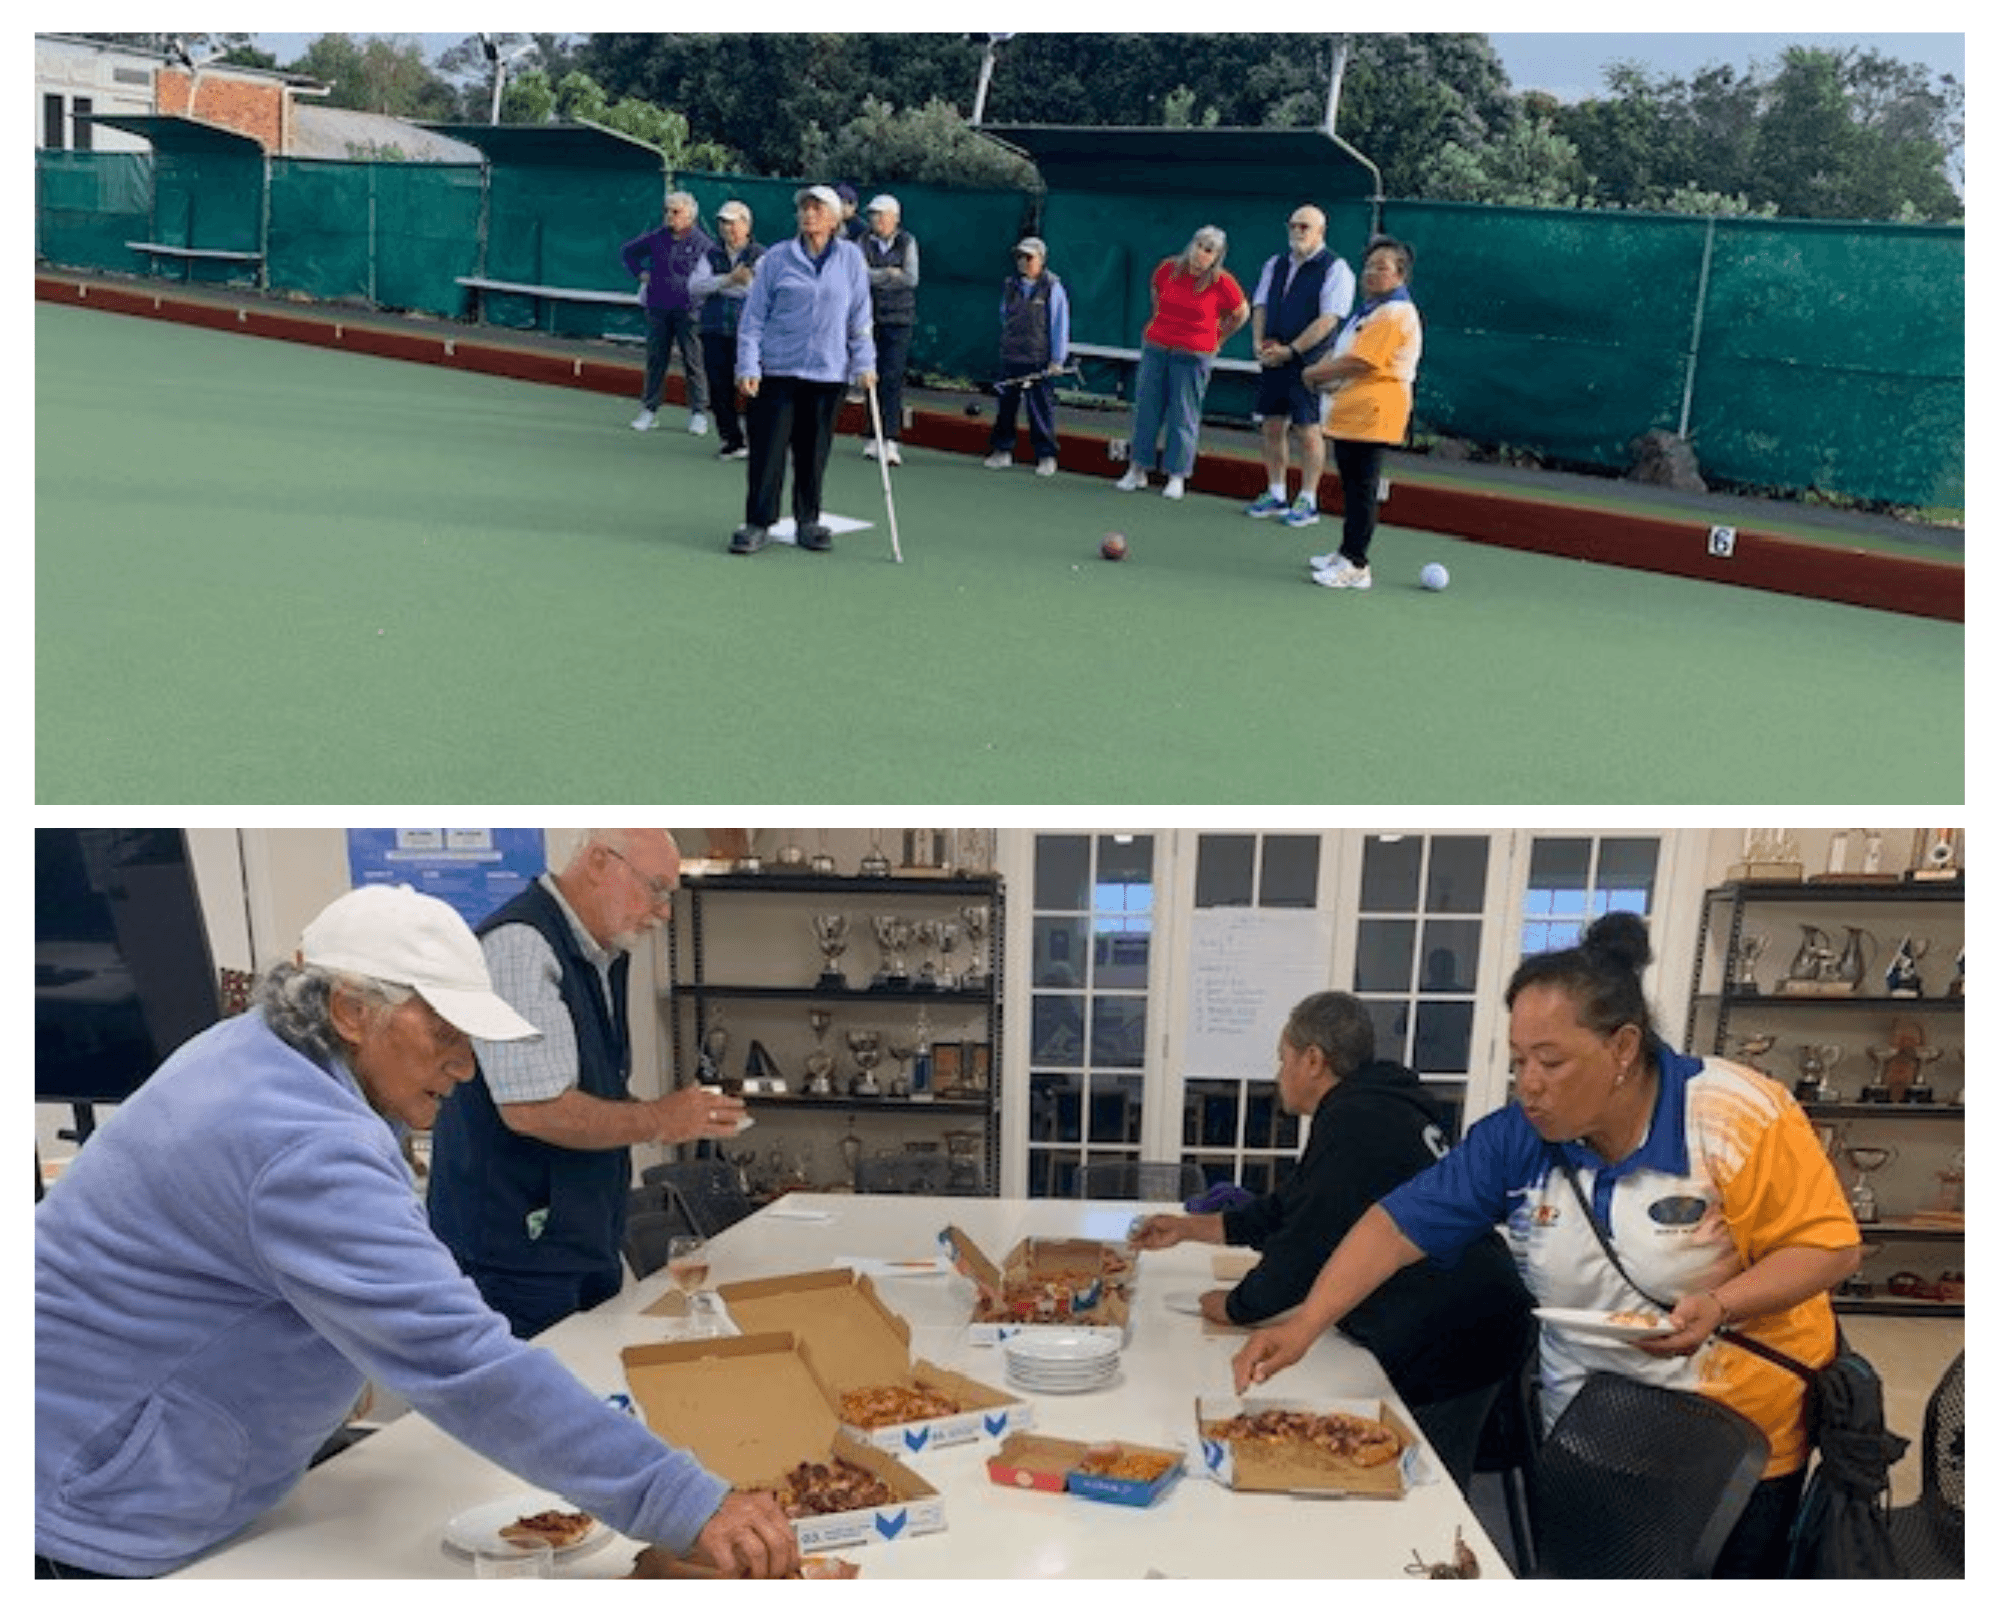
<point x="1813" y="965"/>
<point x="977" y="920"/>
<point x="1750" y="948"/>
<point x="819" y="1062"/>
<point x="866" y="1047"/>
<point x="714" y="1049"/>
<point x="892" y="937"/>
<point x="925" y="933"/>
<point x="875" y="864"/>
<point x="948" y="932"/>
<point x="1751" y="1048"/>
<point x="1815" y="1081"/>
<point x="1866" y="1160"/>
<point x="830" y="928"/>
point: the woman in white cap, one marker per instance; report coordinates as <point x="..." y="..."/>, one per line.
<point x="240" y="1247"/>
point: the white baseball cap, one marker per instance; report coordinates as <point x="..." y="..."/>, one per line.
<point x="390" y="931"/>
<point x="886" y="202"/>
<point x="821" y="192"/>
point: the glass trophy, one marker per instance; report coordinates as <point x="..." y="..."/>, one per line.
<point x="1904" y="981"/>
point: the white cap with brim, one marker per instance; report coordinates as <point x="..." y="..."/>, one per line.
<point x="1031" y="246"/>
<point x="886" y="202"/>
<point x="391" y="932"/>
<point x="820" y="192"/>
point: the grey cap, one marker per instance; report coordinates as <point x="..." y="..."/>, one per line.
<point x="1031" y="246"/>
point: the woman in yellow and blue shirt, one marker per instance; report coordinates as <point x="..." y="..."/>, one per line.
<point x="1706" y="1177"/>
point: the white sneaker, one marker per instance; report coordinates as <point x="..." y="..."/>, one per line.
<point x="891" y="453"/>
<point x="1135" y="478"/>
<point x="1344" y="576"/>
<point x="1176" y="487"/>
<point x="643" y="422"/>
<point x="1333" y="558"/>
<point x="868" y="451"/>
<point x="999" y="460"/>
<point x="698" y="423"/>
<point x="1046" y="467"/>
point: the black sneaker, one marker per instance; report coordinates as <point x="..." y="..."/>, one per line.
<point x="732" y="452"/>
<point x="815" y="536"/>
<point x="747" y="541"/>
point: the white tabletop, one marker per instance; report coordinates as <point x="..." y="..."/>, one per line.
<point x="377" y="1510"/>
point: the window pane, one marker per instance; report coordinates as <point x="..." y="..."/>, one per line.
<point x="1059" y="952"/>
<point x="1222" y="870"/>
<point x="1384" y="954"/>
<point x="1392" y="1028"/>
<point x="1118" y="1031"/>
<point x="1444" y="1036"/>
<point x="1057" y="1031"/>
<point x="1120" y="953"/>
<point x="1451" y="1100"/>
<point x="1559" y="864"/>
<point x="1114" y="1109"/>
<point x="1458" y="875"/>
<point x="1389" y="873"/>
<point x="1291" y="870"/>
<point x="1055" y="1106"/>
<point x="1062" y="872"/>
<point x="1209" y="1112"/>
<point x="1451" y="957"/>
<point x="1628" y="864"/>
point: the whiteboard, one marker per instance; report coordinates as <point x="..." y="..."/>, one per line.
<point x="1248" y="969"/>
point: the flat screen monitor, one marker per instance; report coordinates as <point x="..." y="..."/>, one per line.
<point x="123" y="973"/>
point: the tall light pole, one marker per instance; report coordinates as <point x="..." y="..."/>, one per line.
<point x="1333" y="81"/>
<point x="989" y="40"/>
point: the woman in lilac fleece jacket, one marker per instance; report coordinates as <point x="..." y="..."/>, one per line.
<point x="240" y="1246"/>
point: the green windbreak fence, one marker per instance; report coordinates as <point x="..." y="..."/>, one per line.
<point x="1794" y="355"/>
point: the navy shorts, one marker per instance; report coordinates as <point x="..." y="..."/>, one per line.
<point x="1282" y="393"/>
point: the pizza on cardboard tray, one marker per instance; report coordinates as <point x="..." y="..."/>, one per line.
<point x="1351" y="1440"/>
<point x="889" y="1404"/>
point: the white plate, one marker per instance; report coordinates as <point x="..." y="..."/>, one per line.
<point x="1063" y="1344"/>
<point x="477" y="1532"/>
<point x="1065" y="1385"/>
<point x="1598" y="1324"/>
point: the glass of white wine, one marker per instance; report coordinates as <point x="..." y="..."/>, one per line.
<point x="687" y="1268"/>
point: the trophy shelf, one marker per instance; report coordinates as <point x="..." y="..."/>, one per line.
<point x="821" y="885"/>
<point x="981" y="996"/>
<point x="1847" y="1110"/>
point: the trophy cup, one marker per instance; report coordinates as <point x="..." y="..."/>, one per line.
<point x="948" y="931"/>
<point x="791" y="855"/>
<point x="976" y="918"/>
<point x="819" y="1063"/>
<point x="1866" y="1160"/>
<point x="1904" y="980"/>
<point x="1750" y="948"/>
<point x="1750" y="1048"/>
<point x="1816" y="1064"/>
<point x="822" y="864"/>
<point x="1851" y="966"/>
<point x="831" y="929"/>
<point x="923" y="1075"/>
<point x="875" y="864"/>
<point x="1937" y="856"/>
<point x="866" y="1046"/>
<point x="1812" y="967"/>
<point x="714" y="1047"/>
<point x="1921" y="1091"/>
<point x="900" y="1050"/>
<point x="925" y="933"/>
<point x="761" y="1074"/>
<point x="892" y="937"/>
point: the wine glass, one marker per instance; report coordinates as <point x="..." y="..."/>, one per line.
<point x="687" y="1267"/>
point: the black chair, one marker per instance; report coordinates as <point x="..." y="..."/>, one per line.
<point x="1139" y="1180"/>
<point x="914" y="1172"/>
<point x="645" y="1243"/>
<point x="1506" y="1448"/>
<point x="648" y="1197"/>
<point x="1635" y="1481"/>
<point x="1930" y="1536"/>
<point x="707" y="1192"/>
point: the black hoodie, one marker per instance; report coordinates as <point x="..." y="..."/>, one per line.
<point x="1438" y="1331"/>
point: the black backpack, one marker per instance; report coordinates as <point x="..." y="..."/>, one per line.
<point x="1842" y="1529"/>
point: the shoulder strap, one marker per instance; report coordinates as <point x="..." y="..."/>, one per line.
<point x="1756" y="1347"/>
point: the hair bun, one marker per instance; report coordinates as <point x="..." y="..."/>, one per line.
<point x="1620" y="936"/>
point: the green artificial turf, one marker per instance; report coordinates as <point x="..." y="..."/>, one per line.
<point x="273" y="574"/>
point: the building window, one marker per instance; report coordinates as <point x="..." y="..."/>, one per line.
<point x="81" y="130"/>
<point x="1574" y="881"/>
<point x="52" y="123"/>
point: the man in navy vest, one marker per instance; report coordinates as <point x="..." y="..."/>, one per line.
<point x="1297" y="309"/>
<point x="530" y="1161"/>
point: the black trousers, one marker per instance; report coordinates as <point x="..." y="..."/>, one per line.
<point x="1359" y="463"/>
<point x="792" y="416"/>
<point x="1041" y="401"/>
<point x="718" y="359"/>
<point x="892" y="360"/>
<point x="1760" y="1542"/>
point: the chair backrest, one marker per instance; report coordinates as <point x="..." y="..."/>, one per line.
<point x="1139" y="1180"/>
<point x="645" y="1243"/>
<point x="914" y="1172"/>
<point x="1944" y="1443"/>
<point x="1635" y="1481"/>
<point x="708" y="1193"/>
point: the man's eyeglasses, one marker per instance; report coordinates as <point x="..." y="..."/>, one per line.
<point x="661" y="891"/>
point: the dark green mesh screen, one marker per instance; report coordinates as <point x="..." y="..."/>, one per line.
<point x="397" y="234"/>
<point x="89" y="203"/>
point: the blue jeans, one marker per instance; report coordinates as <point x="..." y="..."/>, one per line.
<point x="666" y="332"/>
<point x="1170" y="389"/>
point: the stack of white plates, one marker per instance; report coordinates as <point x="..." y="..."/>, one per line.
<point x="1062" y="1360"/>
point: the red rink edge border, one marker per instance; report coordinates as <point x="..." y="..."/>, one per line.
<point x="1781" y="564"/>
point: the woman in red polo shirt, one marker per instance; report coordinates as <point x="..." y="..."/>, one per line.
<point x="1196" y="307"/>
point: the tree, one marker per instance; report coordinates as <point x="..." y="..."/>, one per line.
<point x="381" y="75"/>
<point x="927" y="144"/>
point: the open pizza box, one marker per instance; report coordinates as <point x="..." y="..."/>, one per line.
<point x="1069" y="1466"/>
<point x="858" y="1342"/>
<point x="1075" y="1283"/>
<point x="753" y="1408"/>
<point x="1295" y="1466"/>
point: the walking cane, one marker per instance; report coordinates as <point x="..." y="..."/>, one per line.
<point x="882" y="461"/>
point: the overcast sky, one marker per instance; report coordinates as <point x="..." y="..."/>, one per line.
<point x="1568" y="65"/>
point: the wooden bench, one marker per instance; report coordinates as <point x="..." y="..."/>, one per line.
<point x="549" y="294"/>
<point x="187" y="255"/>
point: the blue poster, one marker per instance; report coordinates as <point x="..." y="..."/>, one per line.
<point x="476" y="870"/>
